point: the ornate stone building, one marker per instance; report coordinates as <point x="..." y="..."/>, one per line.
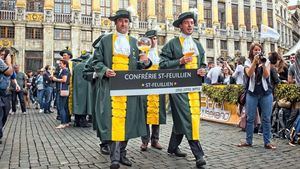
<point x="39" y="29"/>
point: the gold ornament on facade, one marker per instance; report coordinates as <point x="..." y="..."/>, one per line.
<point x="105" y="22"/>
<point x="6" y="43"/>
<point x="162" y="26"/>
<point x="35" y="17"/>
<point x="209" y="31"/>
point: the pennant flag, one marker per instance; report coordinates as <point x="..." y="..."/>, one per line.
<point x="293" y="4"/>
<point x="267" y="32"/>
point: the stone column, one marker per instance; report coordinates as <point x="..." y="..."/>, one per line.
<point x="217" y="48"/>
<point x="115" y="6"/>
<point x="152" y="19"/>
<point x="48" y="44"/>
<point x="135" y="18"/>
<point x="48" y="11"/>
<point x="75" y="40"/>
<point x="76" y="14"/>
<point x="253" y="17"/>
<point x="264" y="12"/>
<point x="96" y="14"/>
<point x="200" y="7"/>
<point x="215" y="17"/>
<point x="20" y="10"/>
<point x="19" y="43"/>
<point x="169" y="14"/>
<point x="243" y="48"/>
<point x="185" y="5"/>
<point x="230" y="47"/>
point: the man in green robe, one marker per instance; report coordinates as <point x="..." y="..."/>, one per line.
<point x="155" y="104"/>
<point x="80" y="91"/>
<point x="93" y="86"/>
<point x="121" y="117"/>
<point x="184" y="52"/>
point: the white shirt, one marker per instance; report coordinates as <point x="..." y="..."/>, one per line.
<point x="189" y="45"/>
<point x="121" y="45"/>
<point x="239" y="74"/>
<point x="153" y="56"/>
<point x="214" y="73"/>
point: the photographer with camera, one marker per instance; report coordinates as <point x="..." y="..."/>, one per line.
<point x="259" y="93"/>
<point x="6" y="71"/>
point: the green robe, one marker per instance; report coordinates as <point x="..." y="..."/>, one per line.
<point x="170" y="55"/>
<point x="80" y="89"/>
<point x="134" y="123"/>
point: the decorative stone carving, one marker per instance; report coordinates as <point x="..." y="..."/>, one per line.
<point x="76" y="17"/>
<point x="20" y="14"/>
<point x="36" y="17"/>
<point x="6" y="43"/>
<point x="48" y="16"/>
<point x="96" y="19"/>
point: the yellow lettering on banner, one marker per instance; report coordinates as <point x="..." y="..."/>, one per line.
<point x="118" y="129"/>
<point x="195" y="126"/>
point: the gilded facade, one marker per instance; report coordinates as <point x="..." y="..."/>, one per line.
<point x="39" y="29"/>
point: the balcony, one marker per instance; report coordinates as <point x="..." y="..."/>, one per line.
<point x="7" y="15"/>
<point x="143" y="25"/>
<point x="248" y="34"/>
<point x="86" y="20"/>
<point x="62" y="18"/>
<point x="223" y="32"/>
<point x="236" y="33"/>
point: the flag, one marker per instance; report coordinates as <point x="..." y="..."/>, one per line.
<point x="293" y="4"/>
<point x="267" y="32"/>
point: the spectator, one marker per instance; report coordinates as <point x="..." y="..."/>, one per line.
<point x="62" y="100"/>
<point x="40" y="89"/>
<point x="259" y="93"/>
<point x="21" y="80"/>
<point x="6" y="71"/>
<point x="47" y="90"/>
<point x="282" y="68"/>
<point x="239" y="71"/>
<point x="273" y="57"/>
<point x="225" y="77"/>
<point x="214" y="73"/>
<point x="292" y="58"/>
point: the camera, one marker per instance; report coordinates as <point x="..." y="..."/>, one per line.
<point x="262" y="57"/>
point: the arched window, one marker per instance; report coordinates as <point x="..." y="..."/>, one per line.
<point x="142" y="10"/>
<point x="160" y="10"/>
<point x="123" y="4"/>
<point x="35" y="5"/>
<point x="7" y="5"/>
<point x="62" y="6"/>
<point x="105" y="8"/>
<point x="176" y="8"/>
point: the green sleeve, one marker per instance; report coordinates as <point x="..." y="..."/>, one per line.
<point x="167" y="60"/>
<point x="97" y="62"/>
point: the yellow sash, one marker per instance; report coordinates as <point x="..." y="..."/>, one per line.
<point x="194" y="99"/>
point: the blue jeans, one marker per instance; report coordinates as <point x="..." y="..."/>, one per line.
<point x="265" y="103"/>
<point x="47" y="98"/>
<point x="40" y="94"/>
<point x="62" y="102"/>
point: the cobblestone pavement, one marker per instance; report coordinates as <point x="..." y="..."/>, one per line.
<point x="31" y="141"/>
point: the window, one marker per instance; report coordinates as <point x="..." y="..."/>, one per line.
<point x="34" y="33"/>
<point x="7" y="5"/>
<point x="86" y="36"/>
<point x="7" y="32"/>
<point x="86" y="7"/>
<point x="208" y="13"/>
<point x="222" y="15"/>
<point x="105" y="8"/>
<point x="224" y="44"/>
<point x="236" y="45"/>
<point x="62" y="34"/>
<point x="258" y="17"/>
<point x="33" y="60"/>
<point x="62" y="6"/>
<point x="176" y="8"/>
<point x="270" y="18"/>
<point x="35" y="6"/>
<point x="248" y="45"/>
<point x="272" y="47"/>
<point x="142" y="8"/>
<point x="160" y="10"/>
<point x="235" y="16"/>
<point x="123" y="4"/>
<point x="192" y="4"/>
<point x="209" y="43"/>
<point x="161" y="40"/>
<point x="247" y="18"/>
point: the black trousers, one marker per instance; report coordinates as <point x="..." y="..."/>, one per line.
<point x="117" y="150"/>
<point x="20" y="95"/>
<point x="292" y="118"/>
<point x="195" y="145"/>
<point x="154" y="134"/>
<point x="4" y="110"/>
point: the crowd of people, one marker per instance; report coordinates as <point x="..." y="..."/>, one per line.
<point x="81" y="86"/>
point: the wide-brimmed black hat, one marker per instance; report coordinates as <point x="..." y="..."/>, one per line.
<point x="184" y="16"/>
<point x="121" y="13"/>
<point x="151" y="33"/>
<point x="67" y="51"/>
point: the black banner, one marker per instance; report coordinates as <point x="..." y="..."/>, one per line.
<point x="143" y="82"/>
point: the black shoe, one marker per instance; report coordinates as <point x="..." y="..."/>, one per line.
<point x="200" y="162"/>
<point x="114" y="166"/>
<point x="177" y="153"/>
<point x="105" y="150"/>
<point x="125" y="161"/>
<point x="46" y="112"/>
<point x="57" y="117"/>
